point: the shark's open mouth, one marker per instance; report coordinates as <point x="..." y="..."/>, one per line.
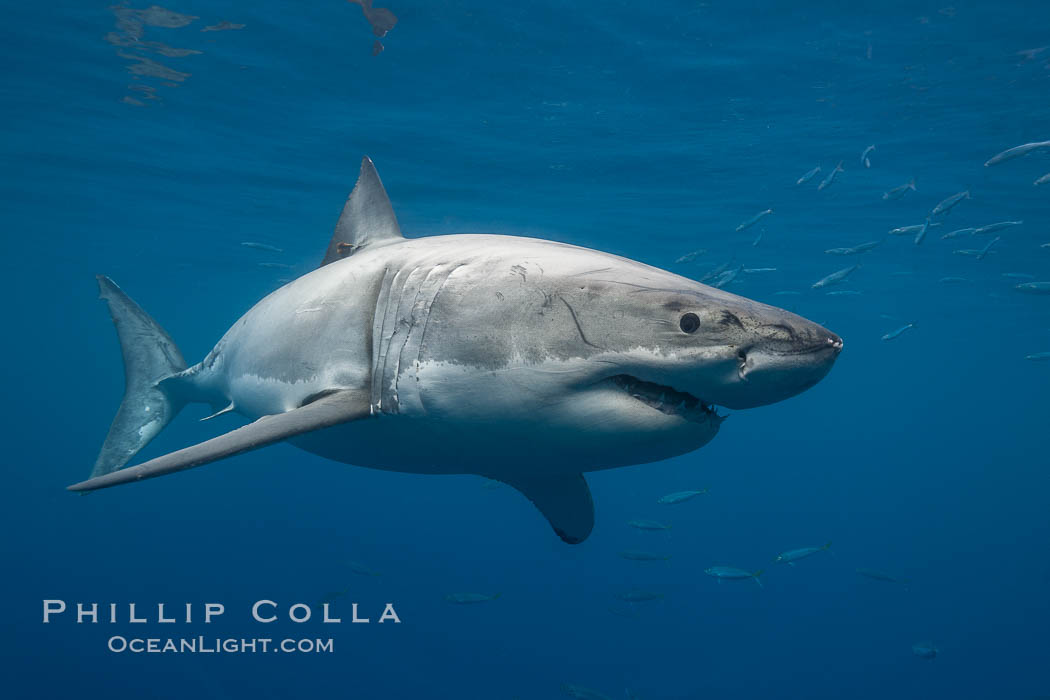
<point x="667" y="399"/>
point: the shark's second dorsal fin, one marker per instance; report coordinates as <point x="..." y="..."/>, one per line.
<point x="367" y="218"/>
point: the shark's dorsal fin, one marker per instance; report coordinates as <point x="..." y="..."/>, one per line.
<point x="367" y="218"/>
<point x="564" y="500"/>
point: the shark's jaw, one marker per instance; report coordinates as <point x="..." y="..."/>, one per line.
<point x="668" y="400"/>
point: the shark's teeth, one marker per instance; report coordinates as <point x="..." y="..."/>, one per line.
<point x="665" y="399"/>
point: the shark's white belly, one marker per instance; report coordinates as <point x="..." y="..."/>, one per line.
<point x="505" y="422"/>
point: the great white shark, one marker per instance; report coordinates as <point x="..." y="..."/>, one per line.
<point x="522" y="360"/>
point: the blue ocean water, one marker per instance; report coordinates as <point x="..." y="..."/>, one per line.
<point x="647" y="130"/>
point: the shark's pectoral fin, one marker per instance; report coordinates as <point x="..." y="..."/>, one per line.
<point x="564" y="500"/>
<point x="331" y="409"/>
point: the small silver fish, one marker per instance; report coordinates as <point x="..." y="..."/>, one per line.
<point x="223" y="26"/>
<point x="970" y="252"/>
<point x="894" y="334"/>
<point x="468" y="598"/>
<point x="864" y="156"/>
<point x="362" y="570"/>
<point x="648" y="525"/>
<point x="909" y="230"/>
<point x="879" y="576"/>
<point x="925" y="650"/>
<point x="680" y="496"/>
<point x="999" y="226"/>
<point x="716" y="272"/>
<point x="826" y="182"/>
<point x="636" y="555"/>
<point x="753" y="270"/>
<point x="331" y="596"/>
<point x="855" y="250"/>
<point x="787" y="293"/>
<point x="865" y="247"/>
<point x="1042" y="180"/>
<point x="754" y="219"/>
<point x="900" y="190"/>
<point x="835" y="277"/>
<point x="1033" y="287"/>
<point x="1038" y="356"/>
<point x="758" y="239"/>
<point x="843" y="293"/>
<point x="732" y="573"/>
<point x="946" y="205"/>
<point x="792" y="555"/>
<point x="1030" y="54"/>
<point x="984" y="251"/>
<point x="690" y="257"/>
<point x="726" y="277"/>
<point x="808" y="176"/>
<point x="921" y="235"/>
<point x="275" y="265"/>
<point x="958" y="232"/>
<point x="952" y="280"/>
<point x="1016" y="152"/>
<point x="1019" y="275"/>
<point x="262" y="246"/>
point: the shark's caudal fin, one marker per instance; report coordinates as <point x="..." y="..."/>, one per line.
<point x="367" y="219"/>
<point x="150" y="355"/>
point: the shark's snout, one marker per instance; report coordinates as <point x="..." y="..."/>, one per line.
<point x="777" y="367"/>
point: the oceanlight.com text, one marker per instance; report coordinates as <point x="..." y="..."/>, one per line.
<point x="217" y="645"/>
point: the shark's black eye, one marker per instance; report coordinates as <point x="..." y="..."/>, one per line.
<point x="689" y="323"/>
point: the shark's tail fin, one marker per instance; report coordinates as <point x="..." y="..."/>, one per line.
<point x="150" y="355"/>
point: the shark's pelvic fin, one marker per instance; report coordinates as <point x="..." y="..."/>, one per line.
<point x="564" y="500"/>
<point x="338" y="407"/>
<point x="367" y="219"/>
<point x="150" y="355"/>
<point x="229" y="408"/>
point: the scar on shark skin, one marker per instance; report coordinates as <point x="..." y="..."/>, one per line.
<point x="577" y="322"/>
